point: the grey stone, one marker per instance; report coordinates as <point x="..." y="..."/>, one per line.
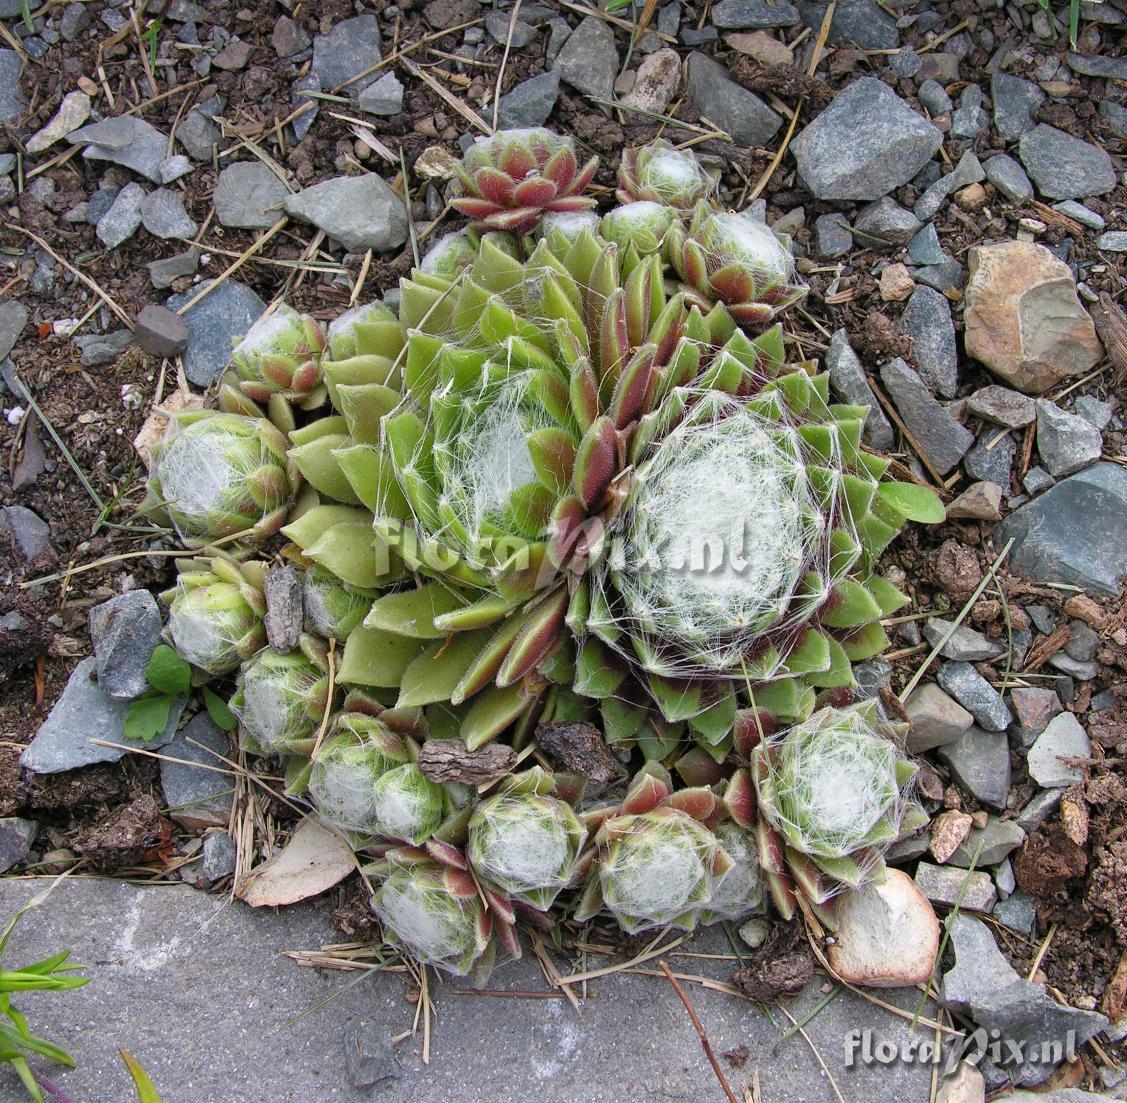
<point x="249" y="196"/>
<point x="924" y="248"/>
<point x="905" y="62"/>
<point x="74" y="20"/>
<point x="303" y="123"/>
<point x="125" y="631"/>
<point x="12" y="99"/>
<point x="991" y="464"/>
<point x="1079" y="213"/>
<point x="942" y="439"/>
<point x="497" y="24"/>
<point x="1075" y="533"/>
<point x="887" y="220"/>
<point x="197" y="798"/>
<point x="7" y="164"/>
<point x="980" y="761"/>
<point x="198" y="135"/>
<point x="1114" y="241"/>
<point x="1098" y="65"/>
<point x="950" y="885"/>
<point x="1081" y="671"/>
<point x="530" y="102"/>
<point x="289" y="38"/>
<point x="558" y="33"/>
<point x="1066" y="442"/>
<point x="1037" y="479"/>
<point x="361" y="212"/>
<point x="1018" y="912"/>
<point x="125" y="140"/>
<point x="1040" y="807"/>
<point x="99" y="203"/>
<point x="928" y="204"/>
<point x="369" y="1058"/>
<point x="160" y="332"/>
<point x="158" y="954"/>
<point x="163" y="215"/>
<point x="927" y="319"/>
<point x="1115" y="115"/>
<point x="1015" y="103"/>
<point x="1093" y="411"/>
<point x="849" y="384"/>
<point x="383" y="97"/>
<point x="943" y="277"/>
<point x="13" y="317"/>
<point x="832" y="235"/>
<point x="350" y="48"/>
<point x="986" y="987"/>
<point x="215" y="325"/>
<point x="1003" y="406"/>
<point x="871" y="676"/>
<point x="669" y="18"/>
<point x="83" y="713"/>
<point x="120" y="222"/>
<point x="991" y="843"/>
<point x="1008" y="177"/>
<point x="965" y="644"/>
<point x="969" y="170"/>
<point x="172" y="168"/>
<point x="16" y="837"/>
<point x="1034" y="708"/>
<point x="165" y="271"/>
<point x="1004" y="878"/>
<point x="976" y="695"/>
<point x="935" y="719"/>
<point x="1083" y="643"/>
<point x="589" y="59"/>
<point x="861" y="23"/>
<point x="865" y="143"/>
<point x="1065" y="167"/>
<point x="969" y="120"/>
<point x="753" y="15"/>
<point x="102" y="348"/>
<point x="934" y="97"/>
<point x="283" y="608"/>
<point x="219" y="855"/>
<point x="729" y="105"/>
<point x="1063" y="737"/>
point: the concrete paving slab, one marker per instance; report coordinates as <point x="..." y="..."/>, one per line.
<point x="196" y="987"/>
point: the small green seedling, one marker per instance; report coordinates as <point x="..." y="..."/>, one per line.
<point x="170" y="677"/>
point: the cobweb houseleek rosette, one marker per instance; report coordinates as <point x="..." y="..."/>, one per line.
<point x="525" y="839"/>
<point x="219" y="474"/>
<point x="731" y="259"/>
<point x="826" y="798"/>
<point x="654" y="860"/>
<point x="509" y="179"/>
<point x="215" y="611"/>
<point x="429" y="903"/>
<point x="660" y="173"/>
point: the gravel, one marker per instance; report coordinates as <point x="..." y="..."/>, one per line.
<point x="936" y="718"/>
<point x="963" y="682"/>
<point x="947" y="885"/>
<point x="1015" y="103"/>
<point x="941" y="438"/>
<point x="753" y="15"/>
<point x="980" y="761"/>
<point x="361" y="212"/>
<point x="163" y="215"/>
<point x="12" y="99"/>
<point x="249" y="196"/>
<point x="215" y="324"/>
<point x="383" y="97"/>
<point x="125" y="631"/>
<point x="860" y="23"/>
<point x="197" y="798"/>
<point x="13" y="317"/>
<point x="728" y="104"/>
<point x="1065" y="167"/>
<point x="848" y="382"/>
<point x="589" y="59"/>
<point x="1008" y="177"/>
<point x="964" y="645"/>
<point x="865" y="143"/>
<point x="886" y="219"/>
<point x="1063" y="737"/>
<point x="160" y="332"/>
<point x="1003" y="406"/>
<point x="1067" y="443"/>
<point x="198" y="135"/>
<point x="530" y="102"/>
<point x="927" y="319"/>
<point x="120" y="222"/>
<point x="124" y="140"/>
<point x="350" y="47"/>
<point x="933" y="96"/>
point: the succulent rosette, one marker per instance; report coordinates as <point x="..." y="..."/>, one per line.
<point x="741" y="893"/>
<point x="509" y="179"/>
<point x="429" y="903"/>
<point x="221" y="474"/>
<point x="661" y="173"/>
<point x="655" y="861"/>
<point x="826" y="798"/>
<point x="332" y="608"/>
<point x="638" y="229"/>
<point x="732" y="259"/>
<point x="525" y="840"/>
<point x="278" y="362"/>
<point x="216" y="610"/>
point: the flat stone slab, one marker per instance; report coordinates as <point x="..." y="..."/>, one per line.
<point x="197" y="989"/>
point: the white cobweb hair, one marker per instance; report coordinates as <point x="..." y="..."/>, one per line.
<point x="426" y="918"/>
<point x="833" y="779"/>
<point x="720" y="528"/>
<point x="274" y="699"/>
<point x="521" y="843"/>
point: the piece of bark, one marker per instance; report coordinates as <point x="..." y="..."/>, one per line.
<point x="283" y="608"/>
<point x="1111" y="325"/>
<point x="580" y="749"/>
<point x="443" y="760"/>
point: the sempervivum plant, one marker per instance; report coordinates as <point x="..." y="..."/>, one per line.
<point x="216" y="610"/>
<point x="509" y="179"/>
<point x="429" y="903"/>
<point x="654" y="861"/>
<point x="732" y="259"/>
<point x="663" y="174"/>
<point x="826" y="798"/>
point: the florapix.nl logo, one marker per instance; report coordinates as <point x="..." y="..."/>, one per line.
<point x="867" y="1047"/>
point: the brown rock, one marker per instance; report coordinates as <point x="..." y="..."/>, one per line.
<point x="979" y="502"/>
<point x="1023" y="318"/>
<point x="947" y="833"/>
<point x="971" y="198"/>
<point x="887" y="935"/>
<point x="896" y="284"/>
<point x="761" y="46"/>
<point x="966" y="1085"/>
<point x="659" y="77"/>
<point x="160" y="331"/>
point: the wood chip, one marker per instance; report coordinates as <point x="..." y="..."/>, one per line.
<point x="581" y="749"/>
<point x="443" y="760"/>
<point x="1111" y="325"/>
